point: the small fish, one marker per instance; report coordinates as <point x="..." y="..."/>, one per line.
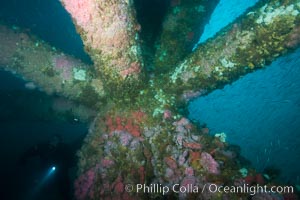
<point x="30" y="86"/>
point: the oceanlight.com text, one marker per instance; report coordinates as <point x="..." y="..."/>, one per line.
<point x="212" y="188"/>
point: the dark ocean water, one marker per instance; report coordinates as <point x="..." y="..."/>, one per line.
<point x="27" y="119"/>
<point x="260" y="112"/>
<point x="42" y="17"/>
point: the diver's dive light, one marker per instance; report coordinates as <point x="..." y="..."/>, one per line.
<point x="47" y="176"/>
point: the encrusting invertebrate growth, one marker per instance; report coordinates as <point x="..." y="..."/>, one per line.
<point x="141" y="134"/>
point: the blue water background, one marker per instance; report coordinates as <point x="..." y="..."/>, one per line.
<point x="225" y="13"/>
<point x="261" y="111"/>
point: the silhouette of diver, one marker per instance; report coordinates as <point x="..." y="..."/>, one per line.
<point x="53" y="153"/>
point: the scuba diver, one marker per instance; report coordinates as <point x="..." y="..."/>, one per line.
<point x="56" y="156"/>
